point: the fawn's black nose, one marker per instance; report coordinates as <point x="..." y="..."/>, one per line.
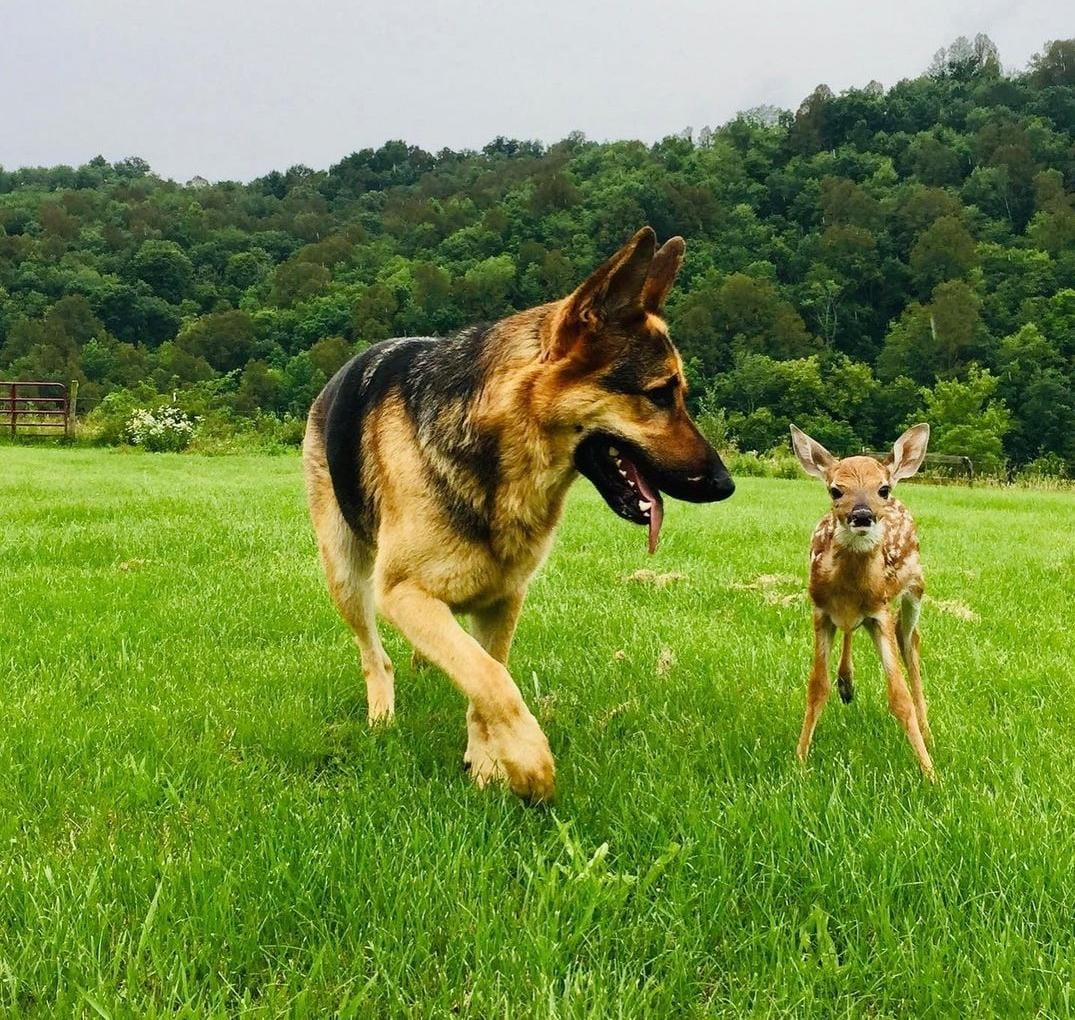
<point x="860" y="517"/>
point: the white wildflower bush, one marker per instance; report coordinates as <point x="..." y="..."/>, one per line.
<point x="164" y="430"/>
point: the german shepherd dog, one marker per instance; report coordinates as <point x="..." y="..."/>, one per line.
<point x="437" y="469"/>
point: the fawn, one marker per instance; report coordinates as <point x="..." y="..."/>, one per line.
<point x="864" y="570"/>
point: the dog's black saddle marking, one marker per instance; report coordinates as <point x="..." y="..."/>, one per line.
<point x="348" y="397"/>
<point x="430" y="374"/>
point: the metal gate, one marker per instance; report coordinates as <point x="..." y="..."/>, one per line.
<point x="32" y="404"/>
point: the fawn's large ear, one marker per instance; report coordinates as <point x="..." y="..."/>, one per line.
<point x="662" y="273"/>
<point x="908" y="452"/>
<point x="815" y="459"/>
<point x="611" y="293"/>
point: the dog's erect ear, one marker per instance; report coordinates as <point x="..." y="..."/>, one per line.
<point x="815" y="459"/>
<point x="662" y="274"/>
<point x="611" y="293"/>
<point x="908" y="452"/>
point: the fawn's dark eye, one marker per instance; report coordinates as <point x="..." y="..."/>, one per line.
<point x="663" y="395"/>
<point x="835" y="492"/>
<point x="883" y="491"/>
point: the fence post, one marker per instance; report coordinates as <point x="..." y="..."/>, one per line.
<point x="72" y="404"/>
<point x="14" y="417"/>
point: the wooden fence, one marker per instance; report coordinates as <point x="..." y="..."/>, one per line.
<point x="964" y="464"/>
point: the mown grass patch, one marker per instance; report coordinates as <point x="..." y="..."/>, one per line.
<point x="195" y="820"/>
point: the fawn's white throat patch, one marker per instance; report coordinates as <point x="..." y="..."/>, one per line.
<point x="859" y="539"/>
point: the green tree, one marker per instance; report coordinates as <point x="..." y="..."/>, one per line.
<point x="1055" y="65"/>
<point x="944" y="251"/>
<point x="166" y="268"/>
<point x="297" y="281"/>
<point x="967" y="419"/>
<point x="374" y="313"/>
<point x="1038" y="383"/>
<point x="247" y="268"/>
<point x="741" y="314"/>
<point x="259" y="389"/>
<point x="329" y="355"/>
<point x="225" y="340"/>
<point x="935" y="339"/>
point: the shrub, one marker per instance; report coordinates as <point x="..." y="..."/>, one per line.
<point x="165" y="430"/>
<point x="222" y="433"/>
<point x="777" y="463"/>
<point x="107" y="422"/>
<point x="712" y="422"/>
<point x="1047" y="467"/>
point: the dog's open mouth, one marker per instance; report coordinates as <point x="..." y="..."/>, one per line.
<point x="618" y="471"/>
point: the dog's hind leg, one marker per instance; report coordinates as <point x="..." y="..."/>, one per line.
<point x="348" y="573"/>
<point x="352" y="591"/>
<point x="348" y="566"/>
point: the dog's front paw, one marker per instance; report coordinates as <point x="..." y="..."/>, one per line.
<point x="380" y="712"/>
<point x="516" y="753"/>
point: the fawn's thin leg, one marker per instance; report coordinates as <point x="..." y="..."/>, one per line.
<point x="818" y="686"/>
<point x="910" y="643"/>
<point x="845" y="673"/>
<point x="883" y="631"/>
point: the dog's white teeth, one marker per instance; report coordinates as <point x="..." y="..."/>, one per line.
<point x="613" y="452"/>
<point x="643" y="505"/>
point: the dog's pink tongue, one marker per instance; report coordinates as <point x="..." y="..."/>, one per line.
<point x="656" y="510"/>
<point x="656" y="519"/>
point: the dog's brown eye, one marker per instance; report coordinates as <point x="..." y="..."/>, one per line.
<point x="835" y="492"/>
<point x="883" y="491"/>
<point x="664" y="395"/>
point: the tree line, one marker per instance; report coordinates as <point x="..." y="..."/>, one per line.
<point x="871" y="258"/>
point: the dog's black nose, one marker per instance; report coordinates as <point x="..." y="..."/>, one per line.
<point x="723" y="485"/>
<point x="860" y="517"/>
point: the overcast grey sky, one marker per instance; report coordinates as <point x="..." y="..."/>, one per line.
<point x="235" y="88"/>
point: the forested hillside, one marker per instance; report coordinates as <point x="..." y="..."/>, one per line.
<point x="873" y="258"/>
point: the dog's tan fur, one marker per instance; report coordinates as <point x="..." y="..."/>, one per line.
<point x="542" y="393"/>
<point x="870" y="577"/>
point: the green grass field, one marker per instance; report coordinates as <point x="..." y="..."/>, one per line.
<point x="195" y="820"/>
